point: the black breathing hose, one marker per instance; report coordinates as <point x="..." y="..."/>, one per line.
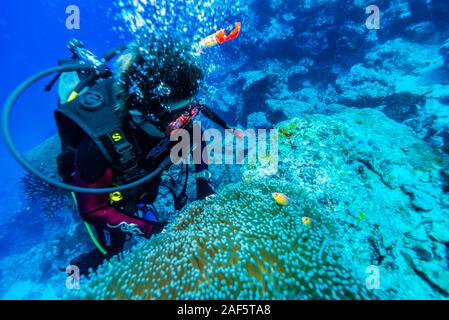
<point x="6" y="128"/>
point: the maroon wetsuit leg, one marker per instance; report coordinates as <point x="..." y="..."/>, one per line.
<point x="96" y="209"/>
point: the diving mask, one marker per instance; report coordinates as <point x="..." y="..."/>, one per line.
<point x="151" y="123"/>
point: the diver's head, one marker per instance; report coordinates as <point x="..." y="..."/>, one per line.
<point x="157" y="79"/>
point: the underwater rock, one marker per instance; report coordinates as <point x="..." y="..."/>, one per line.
<point x="433" y="274"/>
<point x="363" y="87"/>
<point x="423" y="252"/>
<point x="258" y="120"/>
<point x="222" y="97"/>
<point x="347" y="173"/>
<point x="404" y="80"/>
<point x="255" y="82"/>
<point x="402" y="106"/>
<point x="306" y="101"/>
<point x="26" y="280"/>
<point x="350" y="36"/>
<point x="256" y="79"/>
<point x="421" y="200"/>
<point x="332" y="108"/>
<point x="439" y="232"/>
<point x="352" y="158"/>
<point x="277" y="34"/>
<point x="424" y="202"/>
<point x="44" y="156"/>
<point x="444" y="51"/>
<point x="397" y="15"/>
<point x="313" y="43"/>
<point x="398" y="58"/>
<point x="387" y="70"/>
<point x="445" y="175"/>
<point x="369" y="65"/>
<point x="286" y="109"/>
<point x="423" y="31"/>
<point x="445" y="137"/>
<point x="296" y="75"/>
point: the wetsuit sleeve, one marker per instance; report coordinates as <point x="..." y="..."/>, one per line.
<point x="212" y="115"/>
<point x="203" y="165"/>
<point x="203" y="188"/>
<point x="95" y="208"/>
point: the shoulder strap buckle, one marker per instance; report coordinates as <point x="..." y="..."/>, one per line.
<point x="126" y="153"/>
<point x="126" y="157"/>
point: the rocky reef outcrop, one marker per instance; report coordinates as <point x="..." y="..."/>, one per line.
<point x="374" y="193"/>
<point x="317" y="56"/>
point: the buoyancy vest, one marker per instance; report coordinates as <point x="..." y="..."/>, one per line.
<point x="93" y="115"/>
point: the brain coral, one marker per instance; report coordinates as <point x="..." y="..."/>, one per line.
<point x="237" y="245"/>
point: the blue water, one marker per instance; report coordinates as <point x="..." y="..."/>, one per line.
<point x="293" y="59"/>
<point x="33" y="38"/>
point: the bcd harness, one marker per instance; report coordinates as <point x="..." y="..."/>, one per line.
<point x="92" y="115"/>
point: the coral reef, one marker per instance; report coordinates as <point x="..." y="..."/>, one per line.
<point x="389" y="68"/>
<point x="397" y="69"/>
<point x="374" y="199"/>
<point x="239" y="245"/>
<point x="53" y="199"/>
<point x="386" y="191"/>
<point x="40" y="195"/>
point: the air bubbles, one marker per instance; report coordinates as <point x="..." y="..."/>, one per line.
<point x="176" y="18"/>
<point x="189" y="20"/>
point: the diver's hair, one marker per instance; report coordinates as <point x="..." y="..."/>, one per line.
<point x="147" y="64"/>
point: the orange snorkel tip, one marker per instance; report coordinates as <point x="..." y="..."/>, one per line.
<point x="220" y="37"/>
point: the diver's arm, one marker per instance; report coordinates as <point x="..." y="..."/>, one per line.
<point x="212" y="115"/>
<point x="202" y="179"/>
<point x="95" y="208"/>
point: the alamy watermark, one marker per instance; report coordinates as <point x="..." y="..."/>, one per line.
<point x="372" y="281"/>
<point x="73" y="20"/>
<point x="234" y="147"/>
<point x="373" y="21"/>
<point x="73" y="278"/>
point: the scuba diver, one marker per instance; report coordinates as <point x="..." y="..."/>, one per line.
<point x="118" y="130"/>
<point x="115" y="128"/>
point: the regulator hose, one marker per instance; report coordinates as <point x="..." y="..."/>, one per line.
<point x="6" y="128"/>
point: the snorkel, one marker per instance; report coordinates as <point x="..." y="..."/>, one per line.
<point x="94" y="68"/>
<point x="220" y="37"/>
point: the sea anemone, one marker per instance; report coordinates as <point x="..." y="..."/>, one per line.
<point x="235" y="246"/>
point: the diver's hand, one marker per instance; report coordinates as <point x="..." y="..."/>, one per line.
<point x="203" y="189"/>
<point x="158" y="227"/>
